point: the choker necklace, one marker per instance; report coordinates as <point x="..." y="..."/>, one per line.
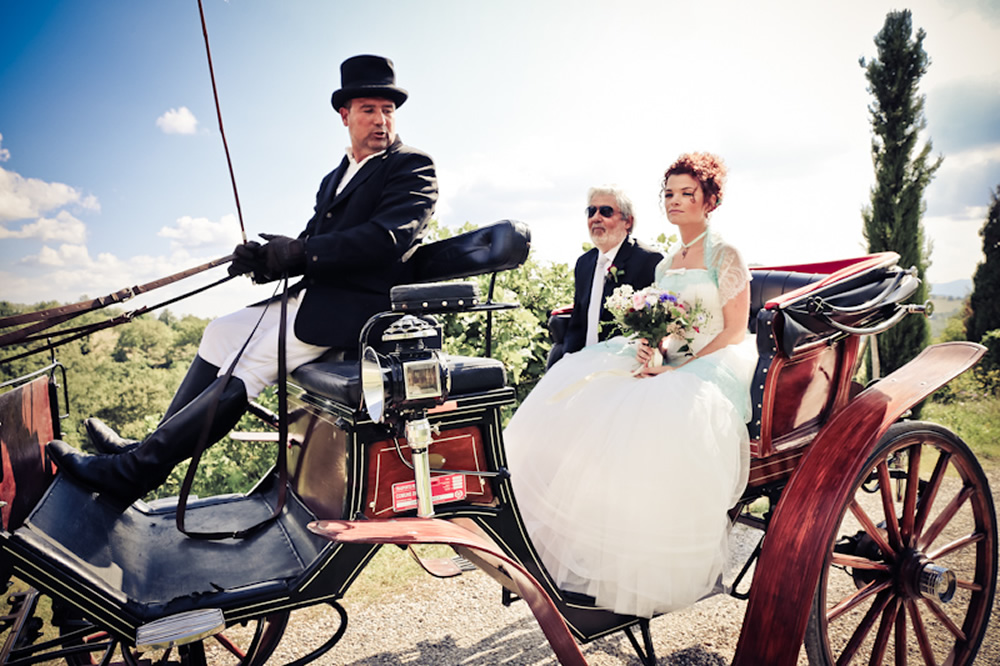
<point x="687" y="246"/>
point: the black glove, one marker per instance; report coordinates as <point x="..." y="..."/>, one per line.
<point x="248" y="258"/>
<point x="283" y="255"/>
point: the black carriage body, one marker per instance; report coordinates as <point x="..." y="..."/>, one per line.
<point x="469" y="438"/>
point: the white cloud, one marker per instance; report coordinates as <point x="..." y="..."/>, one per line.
<point x="24" y="198"/>
<point x="64" y="227"/>
<point x="4" y="153"/>
<point x="178" y="121"/>
<point x="66" y="255"/>
<point x="195" y="232"/>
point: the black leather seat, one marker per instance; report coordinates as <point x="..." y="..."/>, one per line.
<point x="496" y="247"/>
<point x="340" y="381"/>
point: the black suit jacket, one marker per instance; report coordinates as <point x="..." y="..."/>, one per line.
<point x="358" y="242"/>
<point x="636" y="264"/>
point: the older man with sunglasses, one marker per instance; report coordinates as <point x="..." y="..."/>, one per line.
<point x="616" y="259"/>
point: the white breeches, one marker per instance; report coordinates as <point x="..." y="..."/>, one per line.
<point x="258" y="366"/>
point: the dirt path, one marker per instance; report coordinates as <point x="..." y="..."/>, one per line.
<point x="461" y="621"/>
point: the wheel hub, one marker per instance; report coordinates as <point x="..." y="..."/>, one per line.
<point x="920" y="577"/>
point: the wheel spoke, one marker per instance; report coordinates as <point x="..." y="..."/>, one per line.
<point x="921" y="633"/>
<point x="956" y="545"/>
<point x="955" y="630"/>
<point x="932" y="533"/>
<point x="889" y="509"/>
<point x="910" y="500"/>
<point x="970" y="585"/>
<point x="856" y="562"/>
<point x="930" y="491"/>
<point x="901" y="636"/>
<point x="858" y="597"/>
<point x="864" y="627"/>
<point x="871" y="529"/>
<point x="231" y="647"/>
<point x="884" y="631"/>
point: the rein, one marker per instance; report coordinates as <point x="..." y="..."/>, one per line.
<point x="45" y="319"/>
<point x="203" y="442"/>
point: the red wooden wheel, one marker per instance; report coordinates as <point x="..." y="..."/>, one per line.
<point x="911" y="569"/>
<point x="241" y="645"/>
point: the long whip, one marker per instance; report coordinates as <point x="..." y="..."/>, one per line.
<point x="218" y="114"/>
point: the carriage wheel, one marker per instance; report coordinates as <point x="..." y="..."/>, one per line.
<point x="248" y="644"/>
<point x="911" y="569"/>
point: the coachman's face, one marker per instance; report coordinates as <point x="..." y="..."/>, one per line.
<point x="371" y="122"/>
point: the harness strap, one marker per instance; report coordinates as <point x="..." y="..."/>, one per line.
<point x="203" y="442"/>
<point x="82" y="331"/>
<point x="57" y="315"/>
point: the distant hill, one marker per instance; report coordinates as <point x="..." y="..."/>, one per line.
<point x="953" y="289"/>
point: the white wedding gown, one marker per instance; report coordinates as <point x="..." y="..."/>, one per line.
<point x="623" y="482"/>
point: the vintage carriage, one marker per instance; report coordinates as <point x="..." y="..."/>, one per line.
<point x="878" y="539"/>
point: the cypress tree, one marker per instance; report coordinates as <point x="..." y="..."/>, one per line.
<point x="892" y="220"/>
<point x="984" y="303"/>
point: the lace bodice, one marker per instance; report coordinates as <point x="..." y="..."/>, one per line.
<point x="723" y="264"/>
<point x="724" y="276"/>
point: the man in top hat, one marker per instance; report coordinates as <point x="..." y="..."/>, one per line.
<point x="371" y="213"/>
<point x="615" y="259"/>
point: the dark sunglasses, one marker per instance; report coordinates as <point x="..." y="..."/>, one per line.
<point x="605" y="211"/>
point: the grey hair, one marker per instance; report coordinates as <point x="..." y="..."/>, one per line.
<point x="621" y="199"/>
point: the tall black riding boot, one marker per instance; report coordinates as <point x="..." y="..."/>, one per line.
<point x="199" y="375"/>
<point x="130" y="475"/>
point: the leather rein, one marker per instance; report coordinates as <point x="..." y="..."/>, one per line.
<point x="41" y="320"/>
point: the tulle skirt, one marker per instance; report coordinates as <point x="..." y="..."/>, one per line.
<point x="624" y="483"/>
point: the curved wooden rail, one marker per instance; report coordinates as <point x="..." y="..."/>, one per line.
<point x="792" y="557"/>
<point x="435" y="531"/>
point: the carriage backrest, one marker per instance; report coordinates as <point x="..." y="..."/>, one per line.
<point x="496" y="247"/>
<point x="29" y="420"/>
<point x="768" y="284"/>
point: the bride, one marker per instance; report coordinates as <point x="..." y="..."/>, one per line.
<point x="624" y="475"/>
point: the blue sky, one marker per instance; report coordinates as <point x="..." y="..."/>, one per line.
<point x="112" y="171"/>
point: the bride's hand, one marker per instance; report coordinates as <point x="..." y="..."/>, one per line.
<point x="643" y="353"/>
<point x="651" y="371"/>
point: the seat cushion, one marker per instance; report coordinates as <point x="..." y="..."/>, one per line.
<point x="340" y="381"/>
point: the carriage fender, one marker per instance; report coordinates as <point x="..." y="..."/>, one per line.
<point x="794" y="550"/>
<point x="410" y="531"/>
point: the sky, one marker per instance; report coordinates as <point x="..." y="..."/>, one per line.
<point x="113" y="172"/>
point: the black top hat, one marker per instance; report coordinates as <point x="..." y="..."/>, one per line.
<point x="367" y="76"/>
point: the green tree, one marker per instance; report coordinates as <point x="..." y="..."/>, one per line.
<point x="892" y="220"/>
<point x="984" y="303"/>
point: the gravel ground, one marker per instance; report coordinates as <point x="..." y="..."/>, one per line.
<point x="461" y="621"/>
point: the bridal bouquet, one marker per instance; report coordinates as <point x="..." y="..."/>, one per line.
<point x="655" y="313"/>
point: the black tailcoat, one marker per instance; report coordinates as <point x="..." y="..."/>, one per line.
<point x="358" y="242"/>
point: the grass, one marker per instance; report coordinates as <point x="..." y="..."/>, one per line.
<point x="971" y="413"/>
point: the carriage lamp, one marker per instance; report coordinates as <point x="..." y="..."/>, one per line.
<point x="399" y="387"/>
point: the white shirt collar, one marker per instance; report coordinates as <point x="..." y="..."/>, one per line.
<point x="610" y="256"/>
<point x="353" y="166"/>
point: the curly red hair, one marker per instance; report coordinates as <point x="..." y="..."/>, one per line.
<point x="708" y="169"/>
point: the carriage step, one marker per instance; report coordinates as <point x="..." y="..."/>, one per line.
<point x="443" y="567"/>
<point x="179" y="629"/>
<point x="463" y="564"/>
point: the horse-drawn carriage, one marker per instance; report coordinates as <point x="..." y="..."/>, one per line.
<point x="878" y="540"/>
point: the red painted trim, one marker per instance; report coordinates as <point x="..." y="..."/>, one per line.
<point x="837" y="271"/>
